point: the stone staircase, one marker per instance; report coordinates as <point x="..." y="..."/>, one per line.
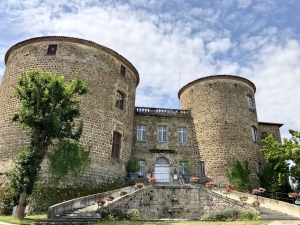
<point x="268" y="214"/>
<point x="90" y="212"/>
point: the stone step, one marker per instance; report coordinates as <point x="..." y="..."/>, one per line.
<point x="268" y="214"/>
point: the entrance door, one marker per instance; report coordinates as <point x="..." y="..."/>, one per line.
<point x="162" y="170"/>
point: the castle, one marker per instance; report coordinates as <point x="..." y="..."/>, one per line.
<point x="217" y="122"/>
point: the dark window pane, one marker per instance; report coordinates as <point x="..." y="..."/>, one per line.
<point x="122" y="70"/>
<point x="116" y="145"/>
<point x="52" y="49"/>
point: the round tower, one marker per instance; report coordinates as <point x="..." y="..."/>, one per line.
<point x="107" y="109"/>
<point x="225" y="121"/>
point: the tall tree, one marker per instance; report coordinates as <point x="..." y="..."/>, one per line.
<point x="279" y="156"/>
<point x="49" y="107"/>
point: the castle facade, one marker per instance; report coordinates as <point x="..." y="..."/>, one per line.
<point x="217" y="121"/>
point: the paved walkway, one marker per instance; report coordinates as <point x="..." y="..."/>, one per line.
<point x="283" y="222"/>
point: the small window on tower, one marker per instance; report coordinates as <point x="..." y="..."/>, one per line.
<point x="52" y="49"/>
<point x="122" y="70"/>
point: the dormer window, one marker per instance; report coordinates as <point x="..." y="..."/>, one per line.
<point x="51" y="49"/>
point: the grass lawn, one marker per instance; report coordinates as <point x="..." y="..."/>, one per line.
<point x="30" y="220"/>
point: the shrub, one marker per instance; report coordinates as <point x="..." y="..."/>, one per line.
<point x="5" y="201"/>
<point x="134" y="213"/>
<point x="224" y="213"/>
<point x="44" y="196"/>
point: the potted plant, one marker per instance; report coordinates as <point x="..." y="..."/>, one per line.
<point x="293" y="195"/>
<point x="132" y="167"/>
<point x="152" y="179"/>
<point x="243" y="198"/>
<point x="139" y="185"/>
<point x="226" y="191"/>
<point x="123" y="192"/>
<point x="187" y="168"/>
<point x="194" y="179"/>
<point x="209" y="184"/>
<point x="256" y="203"/>
<point x="101" y="202"/>
<point x="110" y="198"/>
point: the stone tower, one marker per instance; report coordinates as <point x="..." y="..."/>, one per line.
<point x="225" y="121"/>
<point x="107" y="110"/>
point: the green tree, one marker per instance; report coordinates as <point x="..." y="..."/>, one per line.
<point x="239" y="174"/>
<point x="280" y="156"/>
<point x="49" y="107"/>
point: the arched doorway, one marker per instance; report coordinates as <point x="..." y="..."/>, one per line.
<point x="162" y="169"/>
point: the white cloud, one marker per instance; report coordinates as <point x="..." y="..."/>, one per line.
<point x="163" y="39"/>
<point x="218" y="45"/>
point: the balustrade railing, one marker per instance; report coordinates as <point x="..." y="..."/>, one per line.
<point x="161" y="111"/>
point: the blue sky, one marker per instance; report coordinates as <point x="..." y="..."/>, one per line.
<point x="255" y="39"/>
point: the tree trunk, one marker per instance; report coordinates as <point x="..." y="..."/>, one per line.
<point x="20" y="212"/>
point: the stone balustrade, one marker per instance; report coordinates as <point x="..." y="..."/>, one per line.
<point x="161" y="111"/>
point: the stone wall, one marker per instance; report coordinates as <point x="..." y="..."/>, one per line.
<point x="265" y="129"/>
<point x="185" y="202"/>
<point x="150" y="149"/>
<point x="98" y="64"/>
<point x="223" y="121"/>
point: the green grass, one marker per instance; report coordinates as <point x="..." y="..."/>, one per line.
<point x="29" y="220"/>
<point x="257" y="222"/>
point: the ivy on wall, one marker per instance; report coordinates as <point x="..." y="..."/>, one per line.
<point x="68" y="158"/>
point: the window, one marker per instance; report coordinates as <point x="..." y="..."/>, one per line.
<point x="250" y="102"/>
<point x="123" y="70"/>
<point x="264" y="134"/>
<point x="181" y="134"/>
<point x="141" y="133"/>
<point x="254" y="134"/>
<point x="181" y="166"/>
<point x="120" y="100"/>
<point x="142" y="169"/>
<point x="260" y="168"/>
<point x="116" y="145"/>
<point x="162" y="134"/>
<point x="202" y="169"/>
<point x="52" y="49"/>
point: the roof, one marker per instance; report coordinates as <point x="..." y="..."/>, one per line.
<point x="269" y="123"/>
<point x="213" y="77"/>
<point x="74" y="40"/>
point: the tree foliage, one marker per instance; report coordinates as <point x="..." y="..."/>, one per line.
<point x="49" y="107"/>
<point x="68" y="159"/>
<point x="239" y="174"/>
<point x="280" y="155"/>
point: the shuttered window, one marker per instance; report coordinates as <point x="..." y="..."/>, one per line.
<point x="116" y="145"/>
